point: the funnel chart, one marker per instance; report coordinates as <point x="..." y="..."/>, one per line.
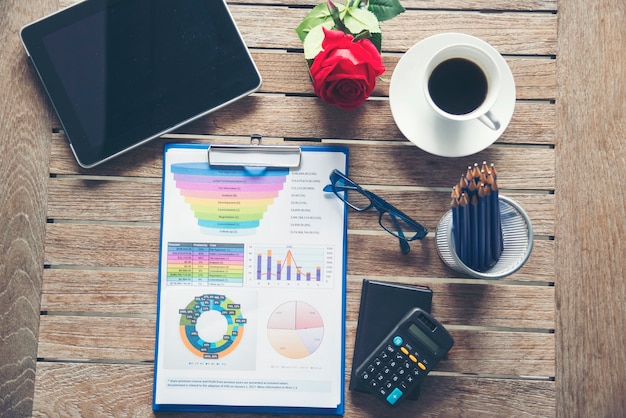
<point x="228" y="201"/>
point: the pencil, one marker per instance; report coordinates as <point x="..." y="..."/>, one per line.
<point x="474" y="264"/>
<point x="497" y="242"/>
<point x="476" y="173"/>
<point x="484" y="196"/>
<point x="456" y="228"/>
<point x="463" y="184"/>
<point x="464" y="228"/>
<point x="494" y="173"/>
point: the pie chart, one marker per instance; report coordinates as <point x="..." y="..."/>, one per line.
<point x="295" y="329"/>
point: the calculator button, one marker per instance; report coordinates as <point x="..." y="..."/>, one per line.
<point x="404" y="350"/>
<point x="388" y="385"/>
<point x="380" y="377"/>
<point x="394" y="396"/>
<point x="365" y="375"/>
<point x="413" y="358"/>
<point x="397" y="341"/>
<point x="371" y="368"/>
<point x="421" y="366"/>
<point x="377" y="362"/>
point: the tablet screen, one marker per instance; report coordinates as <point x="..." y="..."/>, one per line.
<point x="122" y="72"/>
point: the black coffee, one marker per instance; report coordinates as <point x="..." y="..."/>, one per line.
<point x="457" y="86"/>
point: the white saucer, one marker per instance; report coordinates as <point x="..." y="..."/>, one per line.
<point x="421" y="125"/>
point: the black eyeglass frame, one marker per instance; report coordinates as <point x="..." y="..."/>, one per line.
<point x="378" y="203"/>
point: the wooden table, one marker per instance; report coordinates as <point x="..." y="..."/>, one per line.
<point x="79" y="248"/>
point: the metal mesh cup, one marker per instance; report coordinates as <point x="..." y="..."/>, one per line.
<point x="517" y="238"/>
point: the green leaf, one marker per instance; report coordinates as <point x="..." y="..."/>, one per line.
<point x="385" y="9"/>
<point x="320" y="14"/>
<point x="313" y="41"/>
<point x="358" y="20"/>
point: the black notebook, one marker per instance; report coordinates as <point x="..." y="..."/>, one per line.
<point x="383" y="304"/>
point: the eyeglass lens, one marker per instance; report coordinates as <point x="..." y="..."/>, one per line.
<point x="351" y="195"/>
<point x="398" y="226"/>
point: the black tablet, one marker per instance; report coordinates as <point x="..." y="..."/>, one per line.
<point x="122" y="72"/>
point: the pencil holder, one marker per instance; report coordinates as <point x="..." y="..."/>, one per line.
<point x="517" y="238"/>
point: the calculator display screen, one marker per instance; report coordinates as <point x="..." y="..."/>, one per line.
<point x="421" y="336"/>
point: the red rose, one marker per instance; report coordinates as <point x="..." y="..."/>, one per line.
<point x="344" y="72"/>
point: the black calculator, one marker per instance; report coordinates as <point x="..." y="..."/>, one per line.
<point x="404" y="357"/>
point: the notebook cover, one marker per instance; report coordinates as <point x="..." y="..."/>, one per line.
<point x="382" y="305"/>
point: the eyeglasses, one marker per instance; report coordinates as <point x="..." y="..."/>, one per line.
<point x="391" y="219"/>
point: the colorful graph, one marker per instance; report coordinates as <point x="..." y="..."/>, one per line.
<point x="295" y="329"/>
<point x="290" y="264"/>
<point x="196" y="263"/>
<point x="205" y="315"/>
<point x="228" y="200"/>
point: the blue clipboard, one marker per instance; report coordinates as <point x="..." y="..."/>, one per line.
<point x="250" y="163"/>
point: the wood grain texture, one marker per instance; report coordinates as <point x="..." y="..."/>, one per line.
<point x="85" y="338"/>
<point x="128" y="246"/>
<point x="133" y="293"/>
<point x="98" y="295"/>
<point x="509" y="32"/>
<point x="110" y="202"/>
<point x="77" y="390"/>
<point x="591" y="286"/>
<point x="25" y="128"/>
<point x="476" y="5"/>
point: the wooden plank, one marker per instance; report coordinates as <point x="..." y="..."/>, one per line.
<point x="132" y="340"/>
<point x="527" y="5"/>
<point x="140" y="201"/>
<point x="110" y="292"/>
<point x="412" y="165"/>
<point x="271" y="26"/>
<point x="24" y="149"/>
<point x="490" y="5"/>
<point x="99" y="291"/>
<point x="592" y="121"/>
<point x="84" y="389"/>
<point x="511" y="354"/>
<point x="474" y="303"/>
<point x="137" y="247"/>
<point x="509" y="33"/>
<point x="532" y="123"/>
<point x="287" y="72"/>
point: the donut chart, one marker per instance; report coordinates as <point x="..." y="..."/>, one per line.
<point x="295" y="329"/>
<point x="211" y="304"/>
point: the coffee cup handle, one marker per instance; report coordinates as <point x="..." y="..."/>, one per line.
<point x="489" y="121"/>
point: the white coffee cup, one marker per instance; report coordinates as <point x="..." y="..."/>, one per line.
<point x="462" y="83"/>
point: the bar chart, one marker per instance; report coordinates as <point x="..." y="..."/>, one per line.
<point x="288" y="265"/>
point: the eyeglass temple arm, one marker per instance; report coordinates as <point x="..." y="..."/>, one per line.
<point x="404" y="244"/>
